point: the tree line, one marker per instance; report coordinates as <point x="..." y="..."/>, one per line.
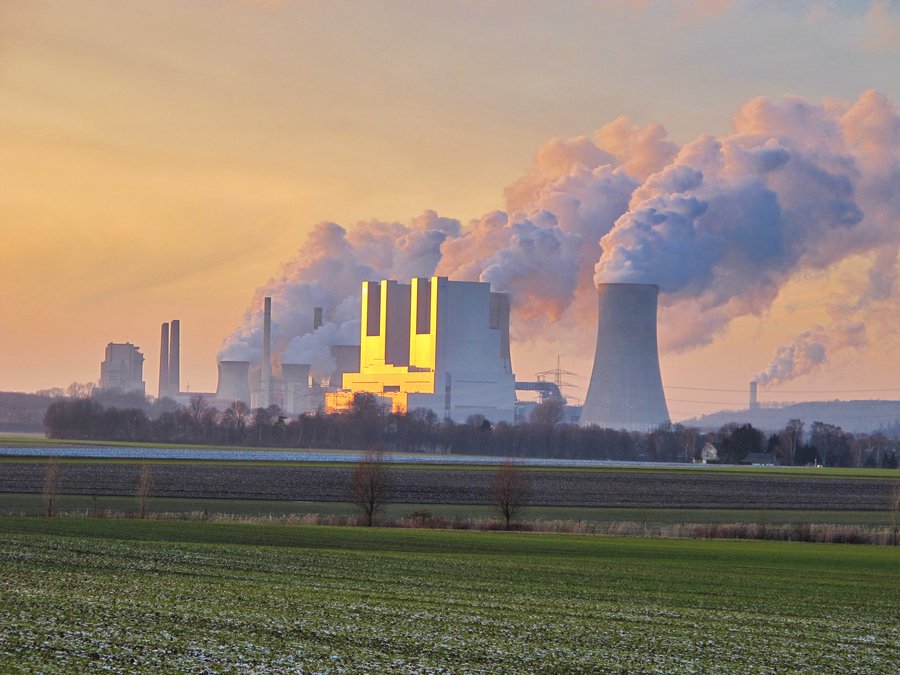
<point x="543" y="435"/>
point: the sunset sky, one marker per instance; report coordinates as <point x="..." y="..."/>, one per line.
<point x="164" y="159"/>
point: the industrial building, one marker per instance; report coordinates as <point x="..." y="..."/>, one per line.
<point x="626" y="390"/>
<point x="123" y="368"/>
<point x="436" y="344"/>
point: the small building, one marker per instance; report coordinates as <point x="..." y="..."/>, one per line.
<point x="123" y="368"/>
<point x="759" y="459"/>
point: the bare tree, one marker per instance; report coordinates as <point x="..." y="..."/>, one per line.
<point x="510" y="491"/>
<point x="144" y="486"/>
<point x="371" y="480"/>
<point x="51" y="486"/>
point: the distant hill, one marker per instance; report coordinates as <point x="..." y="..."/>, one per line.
<point x="853" y="416"/>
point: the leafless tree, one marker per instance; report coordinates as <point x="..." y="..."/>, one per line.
<point x="688" y="436"/>
<point x="510" y="491"/>
<point x="789" y="440"/>
<point x="51" y="486"/>
<point x="144" y="487"/>
<point x="371" y="481"/>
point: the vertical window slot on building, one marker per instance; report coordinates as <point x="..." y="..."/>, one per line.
<point x="423" y="307"/>
<point x="373" y="320"/>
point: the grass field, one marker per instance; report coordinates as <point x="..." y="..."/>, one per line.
<point x="81" y="594"/>
<point x="32" y="504"/>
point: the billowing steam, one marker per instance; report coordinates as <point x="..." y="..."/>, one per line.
<point x="810" y="350"/>
<point x="721" y="224"/>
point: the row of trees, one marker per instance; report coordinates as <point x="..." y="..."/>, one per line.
<point x="420" y="430"/>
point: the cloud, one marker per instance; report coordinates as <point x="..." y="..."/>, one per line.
<point x="721" y="224"/>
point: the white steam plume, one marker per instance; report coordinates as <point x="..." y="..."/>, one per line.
<point x="721" y="224"/>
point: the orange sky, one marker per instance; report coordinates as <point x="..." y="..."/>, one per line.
<point x="161" y="160"/>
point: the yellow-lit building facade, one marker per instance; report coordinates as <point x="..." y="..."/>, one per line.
<point x="434" y="343"/>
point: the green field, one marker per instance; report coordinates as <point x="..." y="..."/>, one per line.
<point x="82" y="594"/>
<point x="32" y="504"/>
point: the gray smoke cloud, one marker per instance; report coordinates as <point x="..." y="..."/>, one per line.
<point x="810" y="350"/>
<point x="721" y="224"/>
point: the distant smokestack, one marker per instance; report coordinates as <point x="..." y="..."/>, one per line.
<point x="265" y="394"/>
<point x="174" y="384"/>
<point x="317" y="317"/>
<point x="626" y="389"/>
<point x="164" y="361"/>
<point x="754" y="403"/>
<point x="234" y="381"/>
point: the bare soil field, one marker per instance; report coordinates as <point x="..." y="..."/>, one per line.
<point x="456" y="486"/>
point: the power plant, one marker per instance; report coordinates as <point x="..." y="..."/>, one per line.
<point x="626" y="389"/>
<point x="445" y="346"/>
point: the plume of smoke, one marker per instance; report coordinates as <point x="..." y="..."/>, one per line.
<point x="796" y="187"/>
<point x="532" y="259"/>
<point x="809" y="351"/>
<point x="327" y="272"/>
<point x="315" y="348"/>
<point x="721" y="224"/>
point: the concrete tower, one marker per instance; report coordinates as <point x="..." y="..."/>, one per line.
<point x="164" y="361"/>
<point x="626" y="389"/>
<point x="265" y="373"/>
<point x="296" y="387"/>
<point x="174" y="383"/>
<point x="234" y="381"/>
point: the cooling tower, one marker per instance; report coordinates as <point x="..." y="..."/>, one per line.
<point x="266" y="365"/>
<point x="296" y="387"/>
<point x="626" y="388"/>
<point x="234" y="381"/>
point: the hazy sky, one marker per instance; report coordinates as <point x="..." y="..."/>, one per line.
<point x="163" y="159"/>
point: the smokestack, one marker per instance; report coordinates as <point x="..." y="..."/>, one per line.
<point x="265" y="395"/>
<point x="317" y="317"/>
<point x="174" y="383"/>
<point x="754" y="403"/>
<point x="164" y="361"/>
<point x="626" y="389"/>
<point x="234" y="381"/>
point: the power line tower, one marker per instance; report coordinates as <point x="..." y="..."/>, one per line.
<point x="557" y="378"/>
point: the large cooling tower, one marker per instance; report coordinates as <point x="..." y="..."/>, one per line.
<point x="626" y="388"/>
<point x="265" y="377"/>
<point x="234" y="381"/>
<point x="296" y="387"/>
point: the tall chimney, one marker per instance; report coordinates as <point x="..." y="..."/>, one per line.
<point x="164" y="361"/>
<point x="626" y="389"/>
<point x="265" y="395"/>
<point x="754" y="403"/>
<point x="175" y="359"/>
<point x="317" y="317"/>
